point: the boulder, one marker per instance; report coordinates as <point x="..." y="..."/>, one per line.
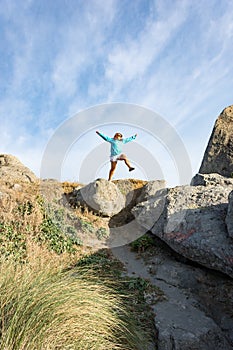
<point x="149" y="212"/>
<point x="12" y="170"/>
<point x="218" y="157"/>
<point x="150" y="189"/>
<point x="196" y="313"/>
<point x="211" y="180"/>
<point x="191" y="310"/>
<point x="229" y="217"/>
<point x="101" y="196"/>
<point x="187" y="330"/>
<point x="130" y="188"/>
<point x="191" y="220"/>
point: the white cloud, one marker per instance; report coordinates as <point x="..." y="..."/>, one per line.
<point x="190" y="72"/>
<point x="174" y="57"/>
<point x="133" y="58"/>
<point x="81" y="46"/>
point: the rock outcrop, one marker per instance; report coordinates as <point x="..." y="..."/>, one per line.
<point x="211" y="180"/>
<point x="100" y="196"/>
<point x="229" y="218"/>
<point x="192" y="260"/>
<point x="191" y="220"/>
<point x="150" y="189"/>
<point x="12" y="170"/>
<point x="195" y="309"/>
<point x="218" y="157"/>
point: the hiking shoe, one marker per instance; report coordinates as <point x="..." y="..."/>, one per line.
<point x="131" y="169"/>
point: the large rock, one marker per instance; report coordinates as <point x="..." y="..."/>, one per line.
<point x="211" y="180"/>
<point x="149" y="212"/>
<point x="197" y="311"/>
<point x="130" y="188"/>
<point x="101" y="196"/>
<point x="191" y="220"/>
<point x="218" y="157"/>
<point x="190" y="329"/>
<point x="150" y="189"/>
<point x="12" y="170"/>
<point x="193" y="309"/>
<point x="229" y="218"/>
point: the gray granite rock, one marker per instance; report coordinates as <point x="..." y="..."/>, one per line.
<point x="101" y="196"/>
<point x="191" y="220"/>
<point x="229" y="217"/>
<point x="12" y="170"/>
<point x="150" y="189"/>
<point x="211" y="180"/>
<point x="191" y="310"/>
<point x="218" y="157"/>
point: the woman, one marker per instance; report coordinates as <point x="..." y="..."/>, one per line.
<point x="116" y="150"/>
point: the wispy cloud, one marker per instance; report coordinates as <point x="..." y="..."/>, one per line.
<point x="59" y="57"/>
<point x="191" y="68"/>
<point x="81" y="49"/>
<point x="133" y="58"/>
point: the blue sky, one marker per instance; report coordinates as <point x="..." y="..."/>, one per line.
<point x="61" y="57"/>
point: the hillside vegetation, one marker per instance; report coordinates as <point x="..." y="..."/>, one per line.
<point x="56" y="293"/>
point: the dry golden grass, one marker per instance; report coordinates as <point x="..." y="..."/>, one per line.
<point x="21" y="206"/>
<point x="25" y="208"/>
<point x="70" y="186"/>
<point x="46" y="303"/>
<point x="47" y="306"/>
<point x="135" y="183"/>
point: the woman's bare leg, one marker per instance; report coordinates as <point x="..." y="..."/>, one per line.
<point x="128" y="163"/>
<point x="111" y="172"/>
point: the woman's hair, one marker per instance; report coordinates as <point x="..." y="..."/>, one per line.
<point x="118" y="134"/>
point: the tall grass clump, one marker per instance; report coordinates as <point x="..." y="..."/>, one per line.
<point x="46" y="306"/>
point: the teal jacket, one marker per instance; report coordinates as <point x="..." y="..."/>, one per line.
<point x="116" y="145"/>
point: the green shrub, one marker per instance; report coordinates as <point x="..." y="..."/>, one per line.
<point x="12" y="242"/>
<point x="102" y="233"/>
<point x="53" y="237"/>
<point x="142" y="243"/>
<point x="55" y="230"/>
<point x="138" y="283"/>
<point x="25" y="208"/>
<point x="86" y="226"/>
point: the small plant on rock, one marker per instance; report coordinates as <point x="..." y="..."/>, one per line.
<point x="142" y="243"/>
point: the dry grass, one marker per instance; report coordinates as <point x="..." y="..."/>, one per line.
<point x="20" y="217"/>
<point x="16" y="203"/>
<point x="36" y="210"/>
<point x="47" y="302"/>
<point x="46" y="306"/>
<point x="69" y="187"/>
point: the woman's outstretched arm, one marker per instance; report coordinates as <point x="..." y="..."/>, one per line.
<point x="106" y="138"/>
<point x="128" y="139"/>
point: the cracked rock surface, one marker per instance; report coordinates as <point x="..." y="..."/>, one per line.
<point x="196" y="313"/>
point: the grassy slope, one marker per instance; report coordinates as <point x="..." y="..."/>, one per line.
<point x="56" y="294"/>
